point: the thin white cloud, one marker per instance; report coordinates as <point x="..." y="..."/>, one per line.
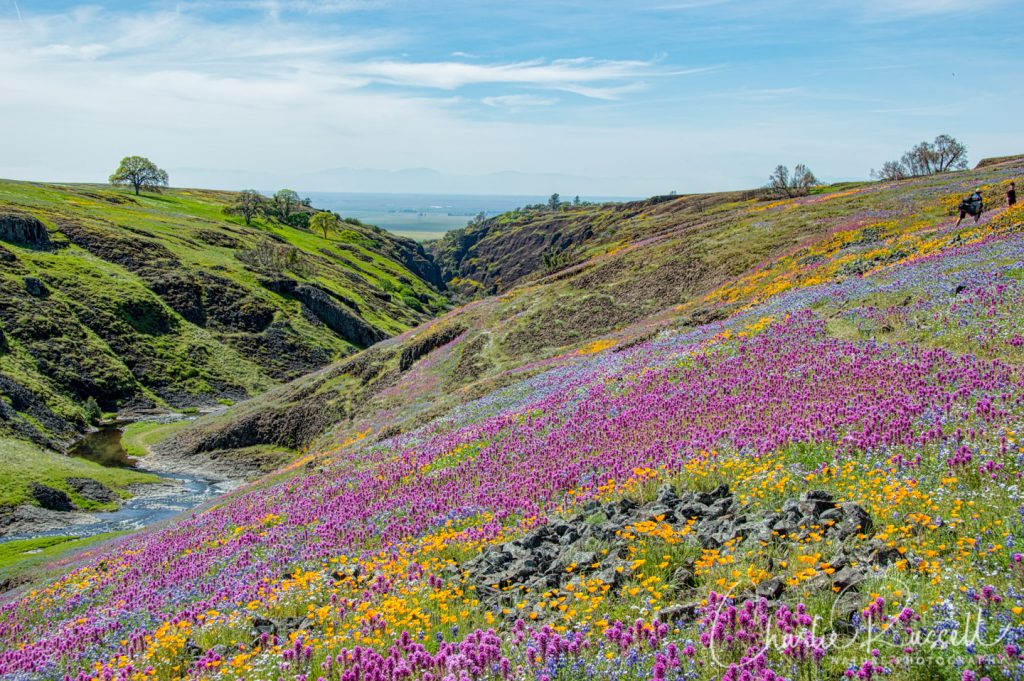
<point x="886" y="10"/>
<point x="688" y="5"/>
<point x="519" y="101"/>
<point x="584" y="76"/>
<point x="276" y="8"/>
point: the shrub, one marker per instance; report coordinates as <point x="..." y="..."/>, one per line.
<point x="91" y="411"/>
<point x="277" y="258"/>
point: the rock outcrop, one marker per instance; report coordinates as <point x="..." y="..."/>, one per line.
<point x="92" y="490"/>
<point x="23" y="229"/>
<point x="51" y="499"/>
<point x="427" y="343"/>
<point x="565" y="552"/>
<point x="328" y="309"/>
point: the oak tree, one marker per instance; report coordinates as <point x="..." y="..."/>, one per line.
<point x="140" y="173"/>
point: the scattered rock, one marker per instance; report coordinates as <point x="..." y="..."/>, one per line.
<point x="683" y="578"/>
<point x="855" y="520"/>
<point x="679" y="612"/>
<point x="848" y="577"/>
<point x="50" y="498"/>
<point x="262" y="626"/>
<point x="26" y="520"/>
<point x="7" y="256"/>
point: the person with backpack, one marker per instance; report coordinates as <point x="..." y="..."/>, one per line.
<point x="973" y="205"/>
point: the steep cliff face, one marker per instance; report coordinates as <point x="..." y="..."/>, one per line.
<point x="161" y="301"/>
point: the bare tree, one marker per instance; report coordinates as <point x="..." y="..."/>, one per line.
<point x="944" y="154"/>
<point x="781" y="183"/>
<point x="778" y="181"/>
<point x="950" y="154"/>
<point x="249" y="203"/>
<point x="890" y="171"/>
<point x="803" y="179"/>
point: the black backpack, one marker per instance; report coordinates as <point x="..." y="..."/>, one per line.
<point x="972" y="204"/>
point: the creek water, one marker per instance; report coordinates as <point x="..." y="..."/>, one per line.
<point x="151" y="503"/>
<point x="104" y="447"/>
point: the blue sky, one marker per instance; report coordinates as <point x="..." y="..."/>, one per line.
<point x="623" y="98"/>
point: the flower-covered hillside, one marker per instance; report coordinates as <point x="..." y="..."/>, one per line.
<point x="825" y="484"/>
<point x="646" y="266"/>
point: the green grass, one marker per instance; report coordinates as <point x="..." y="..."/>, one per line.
<point x="23" y="463"/>
<point x="26" y="561"/>
<point x="138" y="437"/>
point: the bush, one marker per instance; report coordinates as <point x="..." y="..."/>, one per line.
<point x="271" y="257"/>
<point x="412" y="301"/>
<point x="92" y="412"/>
<point x="298" y="220"/>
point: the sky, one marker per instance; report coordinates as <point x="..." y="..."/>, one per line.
<point x="585" y="97"/>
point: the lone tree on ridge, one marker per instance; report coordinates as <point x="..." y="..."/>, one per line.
<point x="140" y="173"/>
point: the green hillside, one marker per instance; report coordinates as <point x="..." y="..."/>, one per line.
<point x="161" y="301"/>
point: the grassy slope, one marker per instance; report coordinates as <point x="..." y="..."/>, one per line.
<point x="151" y="304"/>
<point x="839" y="254"/>
<point x="28" y="561"/>
<point x="24" y="463"/>
<point x="138" y="437"/>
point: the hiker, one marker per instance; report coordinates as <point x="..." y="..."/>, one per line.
<point x="1011" y="196"/>
<point x="973" y="205"/>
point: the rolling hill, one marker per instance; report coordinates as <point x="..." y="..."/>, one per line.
<point x="156" y="302"/>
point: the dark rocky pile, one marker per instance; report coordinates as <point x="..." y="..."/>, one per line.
<point x="536" y="563"/>
<point x="50" y="498"/>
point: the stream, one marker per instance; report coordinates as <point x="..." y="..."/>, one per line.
<point x="150" y="503"/>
